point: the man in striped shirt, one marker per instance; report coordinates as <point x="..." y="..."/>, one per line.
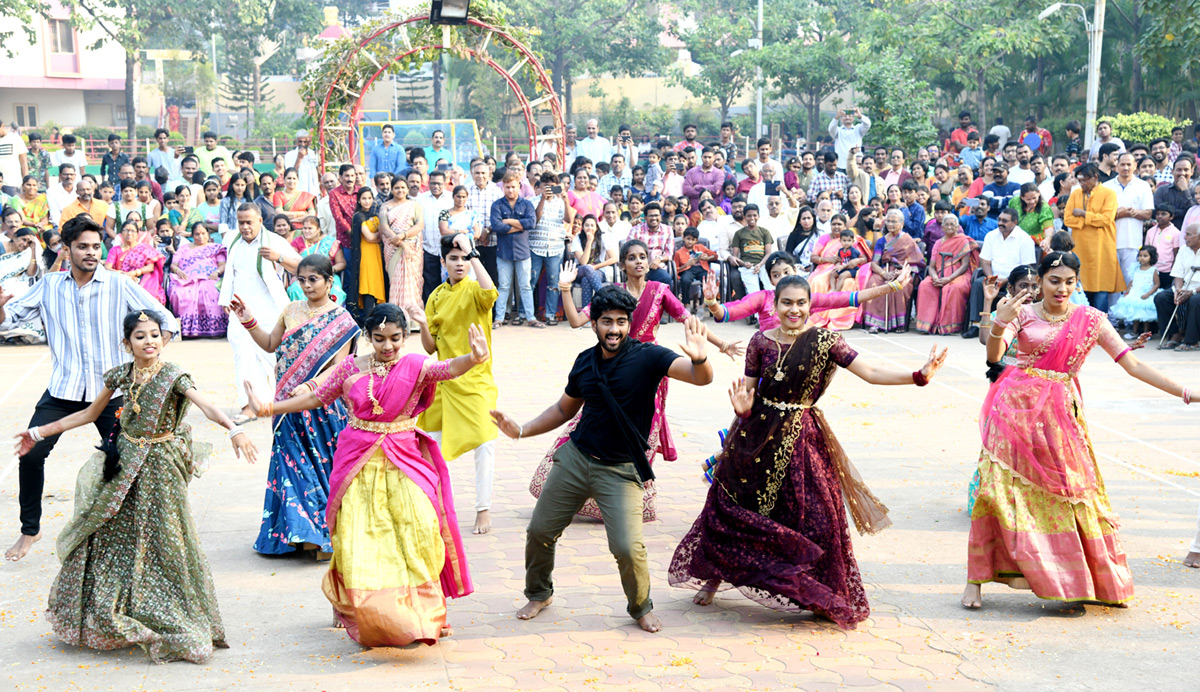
<point x="82" y="310"/>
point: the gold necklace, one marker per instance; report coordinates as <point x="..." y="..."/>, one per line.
<point x="1052" y="319"/>
<point x="778" y="377"/>
<point x="790" y="332"/>
<point x="135" y="388"/>
<point x="376" y="367"/>
<point x="311" y="311"/>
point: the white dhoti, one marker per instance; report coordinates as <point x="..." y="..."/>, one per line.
<point x="1196" y="541"/>
<point x="251" y="364"/>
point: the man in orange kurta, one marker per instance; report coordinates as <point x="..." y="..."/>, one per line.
<point x="1091" y="214"/>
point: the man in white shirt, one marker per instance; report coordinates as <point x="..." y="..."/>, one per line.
<point x="848" y="135"/>
<point x="69" y="154"/>
<point x="1004" y="249"/>
<point x="306" y="163"/>
<point x="324" y="213"/>
<point x="1001" y="130"/>
<point x="433" y="202"/>
<point x="780" y="218"/>
<point x="594" y="147"/>
<point x="1022" y="173"/>
<point x="60" y="195"/>
<point x="166" y="157"/>
<point x="764" y="157"/>
<point x="14" y="156"/>
<point x="260" y="289"/>
<point x="1182" y="298"/>
<point x="824" y="216"/>
<point x="570" y="135"/>
<point x="1135" y="206"/>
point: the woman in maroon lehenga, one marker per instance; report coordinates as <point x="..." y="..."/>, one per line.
<point x="773" y="524"/>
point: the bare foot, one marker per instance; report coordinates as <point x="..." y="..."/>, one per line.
<point x="650" y="622"/>
<point x="337" y="622"/>
<point x="447" y="631"/>
<point x="532" y="608"/>
<point x="21" y="547"/>
<point x="972" y="597"/>
<point x="483" y="522"/>
<point x="1192" y="560"/>
<point x="707" y="592"/>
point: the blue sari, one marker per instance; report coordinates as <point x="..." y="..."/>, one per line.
<point x="302" y="453"/>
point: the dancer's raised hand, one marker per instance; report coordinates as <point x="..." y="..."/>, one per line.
<point x="741" y="397"/>
<point x="1006" y="310"/>
<point x="568" y="273"/>
<point x="507" y="425"/>
<point x="733" y="349"/>
<point x="711" y="288"/>
<point x="252" y="399"/>
<point x="696" y="344"/>
<point x="479" y="345"/>
<point x="238" y="307"/>
<point x="1140" y="341"/>
<point x="991" y="289"/>
<point x="905" y="275"/>
<point x="935" y="362"/>
<point x="417" y="315"/>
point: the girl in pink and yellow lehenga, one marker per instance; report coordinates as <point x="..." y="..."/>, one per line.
<point x="397" y="552"/>
<point x="1042" y="519"/>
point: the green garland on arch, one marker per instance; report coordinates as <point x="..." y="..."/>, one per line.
<point x="324" y="71"/>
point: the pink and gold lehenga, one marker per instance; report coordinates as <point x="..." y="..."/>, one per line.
<point x="1042" y="519"/>
<point x="397" y="553"/>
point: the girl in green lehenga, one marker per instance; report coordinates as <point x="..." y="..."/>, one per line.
<point x="132" y="568"/>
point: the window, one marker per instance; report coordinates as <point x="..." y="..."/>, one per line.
<point x="27" y="115"/>
<point x="120" y="115"/>
<point x="62" y="36"/>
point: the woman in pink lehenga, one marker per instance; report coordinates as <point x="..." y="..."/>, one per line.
<point x="397" y="552"/>
<point x="822" y="279"/>
<point x="401" y="223"/>
<point x="654" y="298"/>
<point x="1042" y="519"/>
<point x="137" y="258"/>
<point x="942" y="296"/>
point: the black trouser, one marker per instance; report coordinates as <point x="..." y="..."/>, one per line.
<point x="1187" y="320"/>
<point x="487" y="257"/>
<point x="687" y="279"/>
<point x="975" y="305"/>
<point x="432" y="275"/>
<point x="737" y="289"/>
<point x="33" y="465"/>
<point x="660" y="275"/>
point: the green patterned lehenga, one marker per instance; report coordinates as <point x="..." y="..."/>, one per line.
<point x="132" y="568"/>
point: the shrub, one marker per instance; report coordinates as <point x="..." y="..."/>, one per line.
<point x="1142" y="127"/>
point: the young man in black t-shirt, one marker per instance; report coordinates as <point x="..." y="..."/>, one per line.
<point x="605" y="458"/>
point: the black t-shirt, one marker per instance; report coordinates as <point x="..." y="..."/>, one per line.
<point x="633" y="384"/>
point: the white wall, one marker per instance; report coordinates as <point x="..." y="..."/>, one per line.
<point x="63" y="106"/>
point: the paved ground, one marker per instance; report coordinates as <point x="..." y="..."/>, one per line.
<point x="915" y="447"/>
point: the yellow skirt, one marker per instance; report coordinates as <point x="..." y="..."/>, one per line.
<point x="370" y="272"/>
<point x="384" y="578"/>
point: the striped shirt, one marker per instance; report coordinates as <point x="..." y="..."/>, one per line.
<point x="480" y="201"/>
<point x="84" y="326"/>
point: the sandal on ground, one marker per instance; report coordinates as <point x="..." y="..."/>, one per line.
<point x="537" y="324"/>
<point x="497" y="324"/>
<point x="1186" y="348"/>
<point x="551" y="323"/>
<point x="517" y="321"/>
<point x="1170" y="345"/>
<point x="242" y="419"/>
<point x="873" y="330"/>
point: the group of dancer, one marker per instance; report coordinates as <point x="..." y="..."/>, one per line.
<point x="359" y="469"/>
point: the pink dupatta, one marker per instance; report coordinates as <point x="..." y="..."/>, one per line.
<point x="407" y="390"/>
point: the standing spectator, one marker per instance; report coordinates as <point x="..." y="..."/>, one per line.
<point x="1022" y="172"/>
<point x="972" y="154"/>
<point x="1176" y="147"/>
<point x="1038" y="139"/>
<point x="689" y="138"/>
<point x="1135" y="205"/>
<point x="701" y="178"/>
<point x="547" y="239"/>
<point x="1104" y="135"/>
<point x="728" y="145"/>
<point x="572" y="146"/>
<point x="1106" y="161"/>
<point x="659" y="241"/>
<point x="164" y="156"/>
<point x="69" y="154"/>
<point x="437" y="200"/>
<point x="511" y="219"/>
<point x="1001" y="131"/>
<point x="617" y="176"/>
<point x="847" y="135"/>
<point x="1182" y="299"/>
<point x="864" y="176"/>
<point x="1074" y="145"/>
<point x="342" y="201"/>
<point x="764" y="157"/>
<point x="958" y="137"/>
<point x="800" y="179"/>
<point x="141" y="173"/>
<point x="830" y="179"/>
<point x="593" y="147"/>
<point x="14" y="156"/>
<point x="38" y="159"/>
<point x="1160" y="154"/>
<point x="1001" y="190"/>
<point x="389" y="158"/>
<point x="113" y="159"/>
<point x="914" y="213"/>
<point x="209" y="152"/>
<point x="437" y="152"/>
<point x="1165" y="238"/>
<point x="482" y="195"/>
<point x="1091" y="216"/>
<point x="1178" y="195"/>
<point x="897" y="173"/>
<point x="306" y="163"/>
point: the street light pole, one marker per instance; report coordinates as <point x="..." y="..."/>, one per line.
<point x="1095" y="44"/>
<point x="758" y="76"/>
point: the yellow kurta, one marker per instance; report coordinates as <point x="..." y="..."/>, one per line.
<point x="1095" y="236"/>
<point x="462" y="405"/>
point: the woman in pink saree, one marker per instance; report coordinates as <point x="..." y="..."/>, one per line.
<point x="654" y="298"/>
<point x="137" y="258"/>
<point x="892" y="252"/>
<point x="397" y="552"/>
<point x="1042" y="520"/>
<point x="823" y="277"/>
<point x="194" y="295"/>
<point x="942" y="295"/>
<point x="762" y="303"/>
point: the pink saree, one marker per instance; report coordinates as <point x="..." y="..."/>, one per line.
<point x="942" y="310"/>
<point x="374" y="581"/>
<point x="820" y="282"/>
<point x="1042" y="519"/>
<point x="141" y="255"/>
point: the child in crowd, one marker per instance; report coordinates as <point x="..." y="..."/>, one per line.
<point x="1165" y="238"/>
<point x="1136" y="307"/>
<point x="849" y="259"/>
<point x="107" y="192"/>
<point x="1062" y="242"/>
<point x="691" y="266"/>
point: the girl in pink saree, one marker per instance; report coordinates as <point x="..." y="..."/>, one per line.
<point x="653" y="299"/>
<point x="823" y="278"/>
<point x="1042" y="519"/>
<point x="397" y="552"/>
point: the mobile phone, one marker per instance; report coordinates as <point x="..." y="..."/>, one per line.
<point x="189" y="150"/>
<point x="557" y="189"/>
<point x="971" y="202"/>
<point x="772" y="188"/>
<point x="443" y="166"/>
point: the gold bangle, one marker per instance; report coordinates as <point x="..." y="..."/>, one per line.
<point x="712" y="302"/>
<point x="992" y="333"/>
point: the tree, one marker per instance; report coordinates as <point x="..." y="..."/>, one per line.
<point x="713" y="41"/>
<point x="899" y="103"/>
<point x="24" y="11"/>
<point x="1170" y="34"/>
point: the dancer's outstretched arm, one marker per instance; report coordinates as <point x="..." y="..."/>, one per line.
<point x="267" y="336"/>
<point x="878" y="375"/>
<point x="558" y="414"/>
<point x="1146" y="373"/>
<point x="242" y="446"/>
<point x="695" y="369"/>
<point x="27" y="438"/>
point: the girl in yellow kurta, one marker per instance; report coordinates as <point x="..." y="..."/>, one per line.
<point x="1091" y="214"/>
<point x="459" y="415"/>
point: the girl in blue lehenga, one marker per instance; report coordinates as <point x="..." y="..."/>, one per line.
<point x="311" y="334"/>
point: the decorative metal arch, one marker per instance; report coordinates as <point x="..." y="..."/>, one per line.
<point x="478" y="52"/>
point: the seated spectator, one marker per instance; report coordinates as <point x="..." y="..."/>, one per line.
<point x="137" y="257"/>
<point x="1179" y="308"/>
<point x="943" y="294"/>
<point x="840" y="263"/>
<point x="691" y="266"/>
<point x="894" y="250"/>
<point x="196" y="269"/>
<point x="595" y="251"/>
<point x="32" y="205"/>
